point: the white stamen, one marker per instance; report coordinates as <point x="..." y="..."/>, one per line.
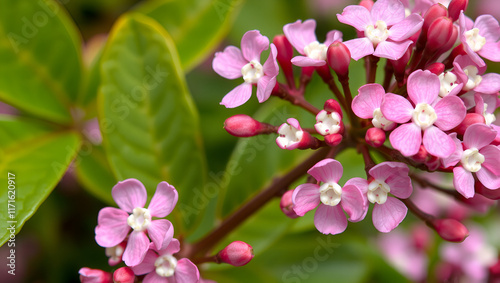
<point x="114" y="253"/>
<point x="289" y="135"/>
<point x="448" y="83"/>
<point x="140" y="219"/>
<point x="165" y="265"/>
<point x="330" y="194"/>
<point x="327" y="123"/>
<point x="252" y="72"/>
<point x="489" y="118"/>
<point x="474" y="40"/>
<point x="316" y="50"/>
<point x="377" y="33"/>
<point x="474" y="79"/>
<point x="472" y="160"/>
<point x="377" y="191"/>
<point x="379" y="121"/>
<point x="424" y="115"/>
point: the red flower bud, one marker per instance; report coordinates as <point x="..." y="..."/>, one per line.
<point x="439" y="33"/>
<point x="331" y="105"/>
<point x="450" y="230"/>
<point x="375" y="137"/>
<point x="491" y="194"/>
<point x="285" y="54"/>
<point x="286" y="204"/>
<point x="435" y="68"/>
<point x="455" y="7"/>
<point x="338" y="57"/>
<point x="245" y="126"/>
<point x="368" y="4"/>
<point x="470" y="119"/>
<point x="237" y="253"/>
<point x="88" y="275"/>
<point x="422" y="155"/>
<point x="434" y="12"/>
<point x="333" y="139"/>
<point x="124" y="275"/>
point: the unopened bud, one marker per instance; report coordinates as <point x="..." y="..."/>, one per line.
<point x="237" y="253"/>
<point x="331" y="105"/>
<point x="333" y="139"/>
<point x="439" y="33"/>
<point x="487" y="193"/>
<point x="368" y="4"/>
<point x="338" y="57"/>
<point x="284" y="57"/>
<point x="286" y="204"/>
<point x="451" y="41"/>
<point x="436" y="68"/>
<point x="88" y="275"/>
<point x="422" y="155"/>
<point x="450" y="230"/>
<point x="455" y="7"/>
<point x="245" y="126"/>
<point x="470" y="119"/>
<point x="433" y="13"/>
<point x="123" y="275"/>
<point x="494" y="271"/>
<point x="375" y="137"/>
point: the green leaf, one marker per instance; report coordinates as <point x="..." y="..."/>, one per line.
<point x="41" y="61"/>
<point x="94" y="173"/>
<point x="35" y="160"/>
<point x="92" y="80"/>
<point x="196" y="26"/>
<point x="150" y="126"/>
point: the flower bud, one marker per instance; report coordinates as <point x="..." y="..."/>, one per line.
<point x="245" y="126"/>
<point x="333" y="139"/>
<point x="88" y="275"/>
<point x="450" y="230"/>
<point x="123" y="275"/>
<point x="375" y="137"/>
<point x="439" y="33"/>
<point x="482" y="190"/>
<point x="338" y="57"/>
<point x="368" y="4"/>
<point x="422" y="155"/>
<point x="284" y="57"/>
<point x="435" y="68"/>
<point x="331" y="105"/>
<point x="286" y="204"/>
<point x="451" y="41"/>
<point x="494" y="271"/>
<point x="433" y="13"/>
<point x="237" y="253"/>
<point x="470" y="119"/>
<point x="455" y="7"/>
<point x="400" y="66"/>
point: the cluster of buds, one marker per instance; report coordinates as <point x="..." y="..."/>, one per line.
<point x="436" y="105"/>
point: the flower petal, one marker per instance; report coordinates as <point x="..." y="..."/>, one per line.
<point x="327" y="171"/>
<point x="491" y="158"/>
<point x="129" y="194"/>
<point x="359" y="183"/>
<point x="450" y="112"/>
<point x="229" y="62"/>
<point x="389" y="11"/>
<point x="387" y="216"/>
<point x="438" y="143"/>
<point x="423" y="87"/>
<point x="303" y="61"/>
<point x="238" y="96"/>
<point x="161" y="232"/>
<point x="396" y="108"/>
<point x="353" y="203"/>
<point x="488" y="27"/>
<point x="455" y="157"/>
<point x="137" y="246"/>
<point x="357" y="16"/>
<point x="490" y="51"/>
<point x="270" y="67"/>
<point x="112" y="227"/>
<point x="164" y="200"/>
<point x="305" y="198"/>
<point x="300" y="34"/>
<point x="332" y="36"/>
<point x="463" y="182"/>
<point x="147" y="265"/>
<point x="383" y="170"/>
<point x="173" y="247"/>
<point x="359" y="47"/>
<point x="330" y="219"/>
<point x="488" y="179"/>
<point x="186" y="271"/>
<point x="478" y="136"/>
<point x="407" y="139"/>
<point x="489" y="84"/>
<point x="265" y="86"/>
<point x="369" y="98"/>
<point x="392" y="50"/>
<point x="252" y="45"/>
<point x="406" y="28"/>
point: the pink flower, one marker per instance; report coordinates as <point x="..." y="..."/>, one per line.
<point x="160" y="265"/>
<point x="114" y="224"/>
<point x="367" y="104"/>
<point x="234" y="63"/>
<point x="329" y="217"/>
<point x="88" y="275"/>
<point x="385" y="178"/>
<point x="385" y="28"/>
<point x="473" y="78"/>
<point x="302" y="37"/>
<point x="475" y="155"/>
<point x="429" y="115"/>
<point x="480" y="38"/>
<point x="486" y="104"/>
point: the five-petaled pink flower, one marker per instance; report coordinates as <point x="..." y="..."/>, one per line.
<point x="480" y="38"/>
<point x="387" y="177"/>
<point x="160" y="265"/>
<point x="303" y="39"/>
<point x="329" y="217"/>
<point x="234" y="63"/>
<point x="475" y="155"/>
<point x="114" y="224"/>
<point x="385" y="27"/>
<point x="427" y="114"/>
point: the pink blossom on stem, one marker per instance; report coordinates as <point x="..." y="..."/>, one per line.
<point x="303" y="38"/>
<point x="234" y="63"/>
<point x="159" y="265"/>
<point x="114" y="224"/>
<point x="367" y="104"/>
<point x="385" y="27"/>
<point x="430" y="115"/>
<point x="481" y="38"/>
<point x="292" y="136"/>
<point x="329" y="217"/>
